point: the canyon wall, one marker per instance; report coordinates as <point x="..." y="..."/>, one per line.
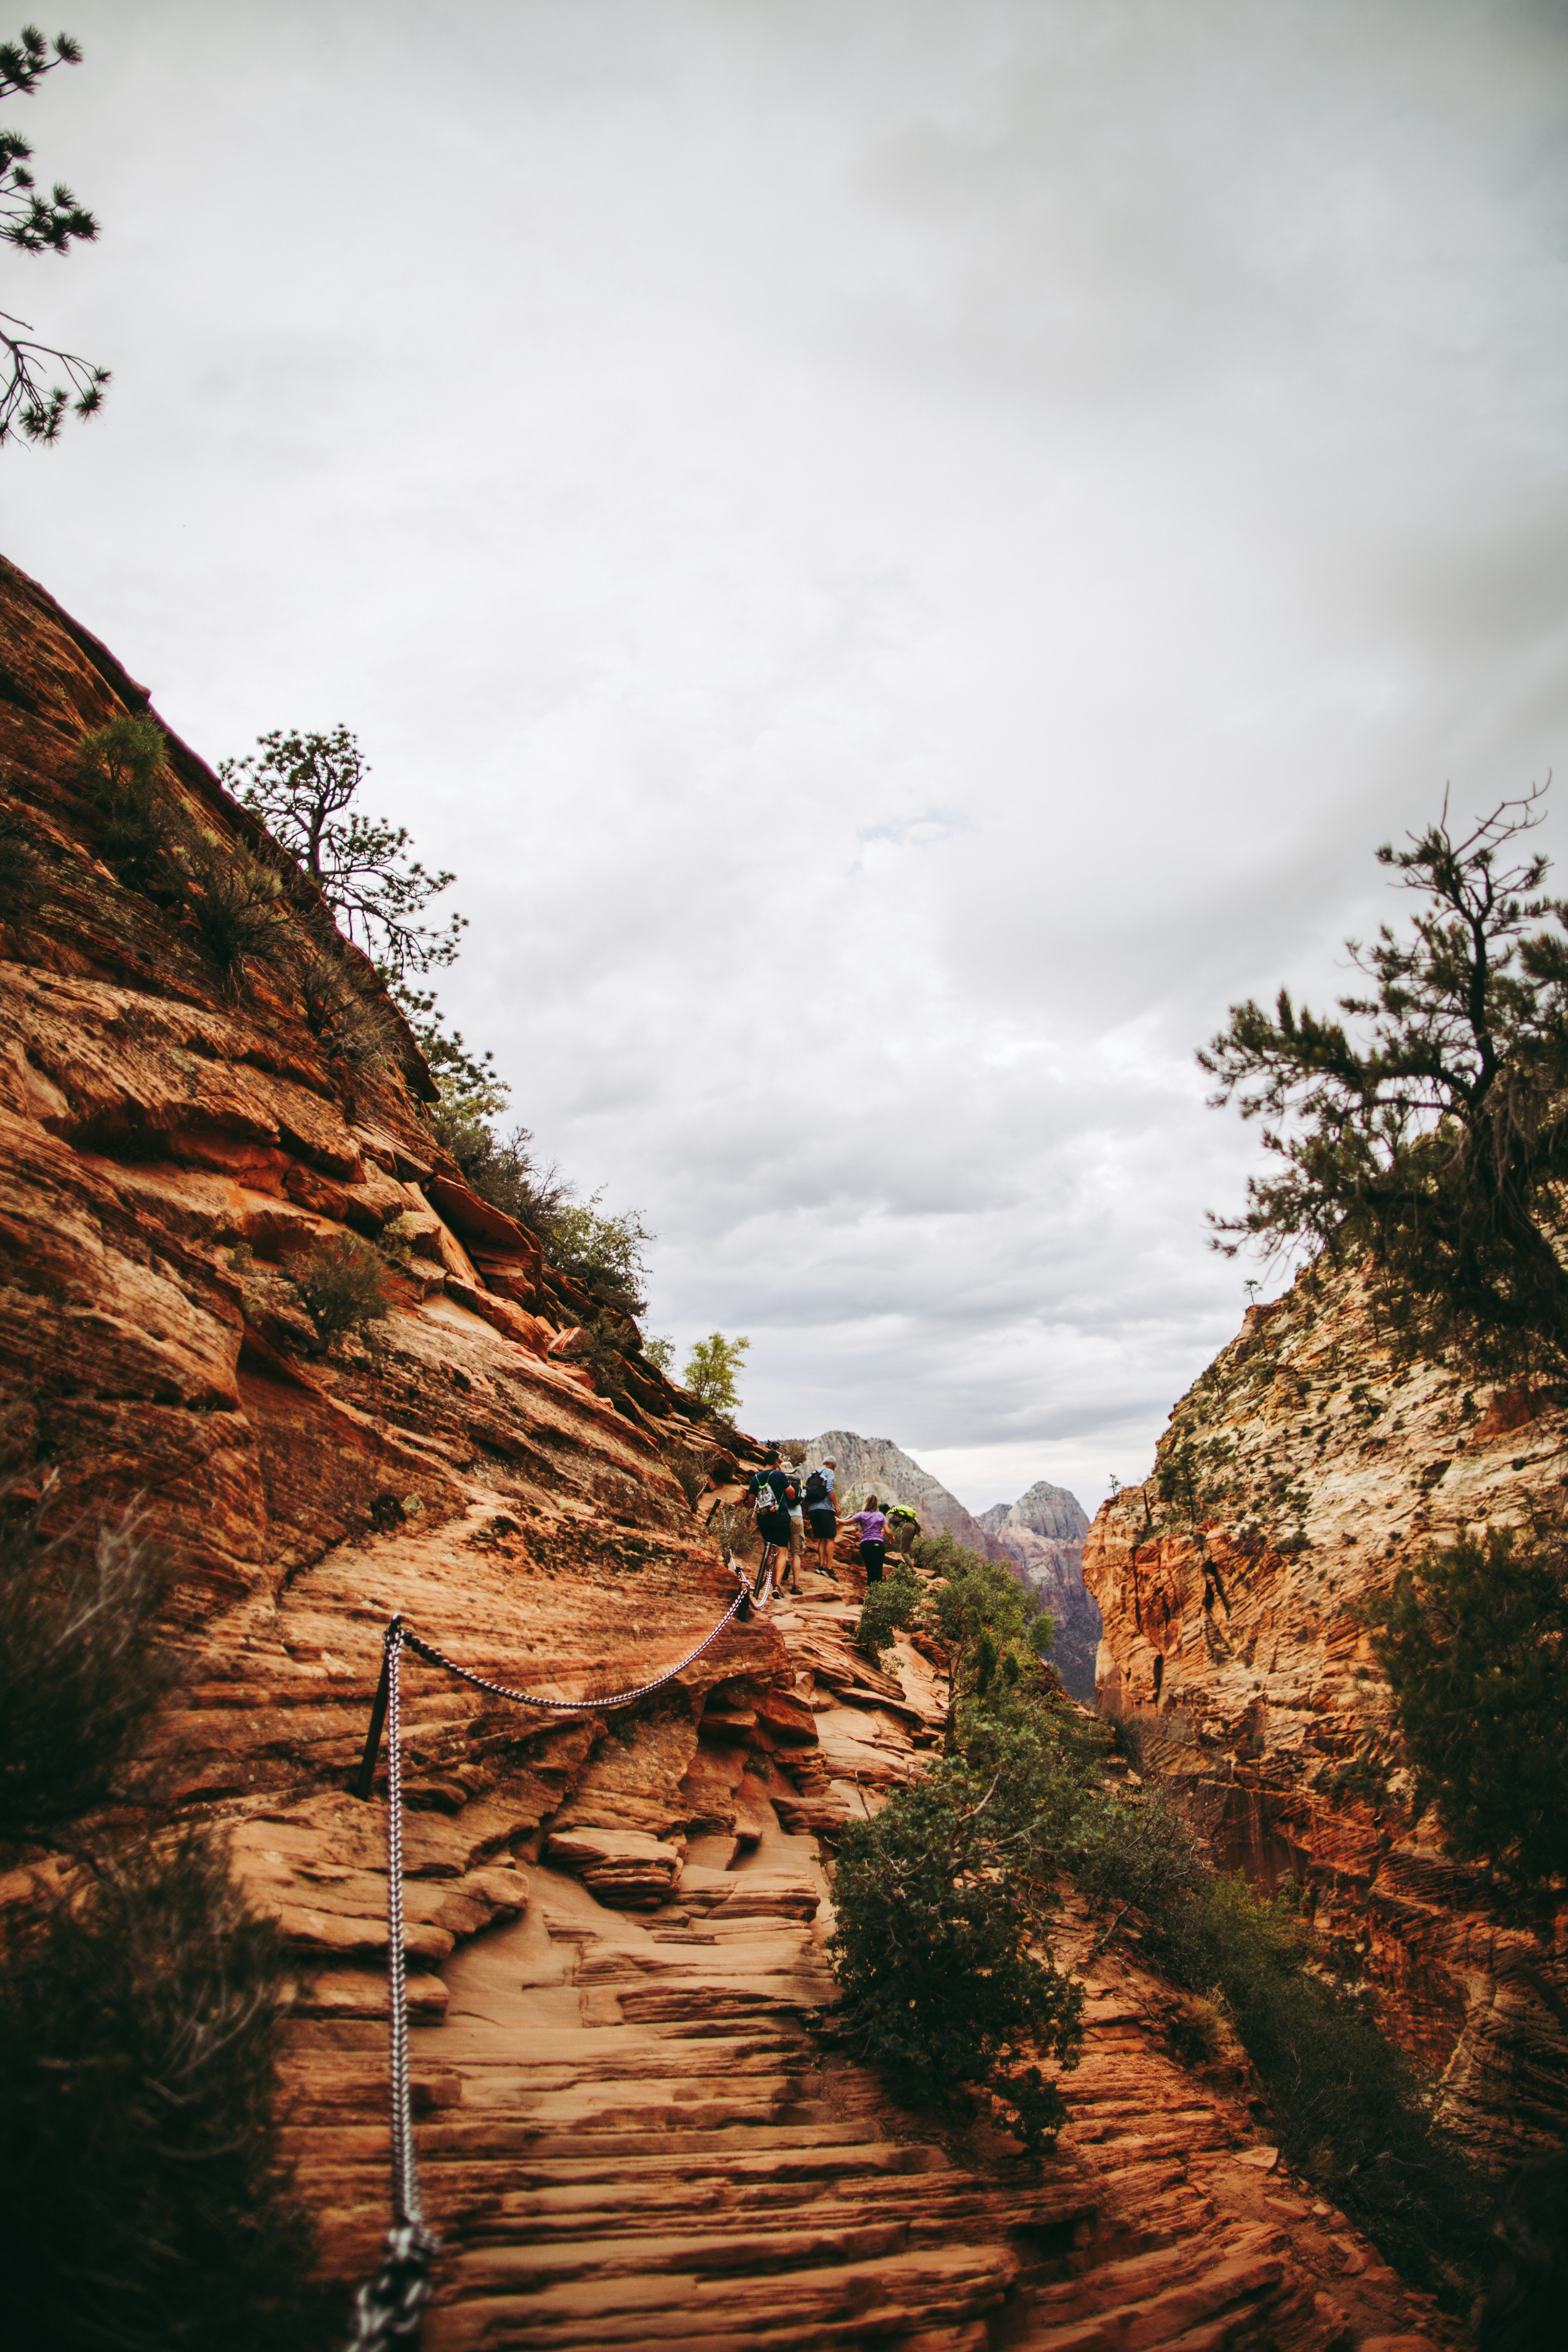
<point x="632" y="2126"/>
<point x="1298" y="1475"/>
<point x="1043" y="1534"/>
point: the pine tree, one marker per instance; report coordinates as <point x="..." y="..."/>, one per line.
<point x="1436" y="1144"/>
<point x="35" y="222"/>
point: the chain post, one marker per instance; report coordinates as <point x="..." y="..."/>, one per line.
<point x="364" y="1785"/>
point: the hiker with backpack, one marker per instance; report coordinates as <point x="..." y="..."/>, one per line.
<point x="771" y="1490"/>
<point x="820" y="1516"/>
<point x="904" y="1528"/>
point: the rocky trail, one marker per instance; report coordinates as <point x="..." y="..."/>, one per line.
<point x="634" y="2130"/>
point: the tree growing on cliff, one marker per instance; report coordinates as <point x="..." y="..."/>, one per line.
<point x="302" y="787"/>
<point x="1435" y="1144"/>
<point x="33" y="222"/>
<point x="1474" y="1641"/>
<point x="711" y="1370"/>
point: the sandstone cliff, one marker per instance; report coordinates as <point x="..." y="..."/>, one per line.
<point x="631" y="2128"/>
<point x="1042" y="1533"/>
<point x="1303" y="1468"/>
<point x="875" y="1465"/>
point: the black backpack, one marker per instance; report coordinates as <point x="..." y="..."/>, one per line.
<point x="816" y="1491"/>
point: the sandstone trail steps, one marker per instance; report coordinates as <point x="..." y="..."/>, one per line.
<point x="631" y="2133"/>
<point x="650" y="2147"/>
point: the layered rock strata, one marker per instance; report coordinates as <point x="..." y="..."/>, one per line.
<point x="1298" y="1475"/>
<point x="1043" y="1534"/>
<point x="633" y="2131"/>
<point x="630" y="2123"/>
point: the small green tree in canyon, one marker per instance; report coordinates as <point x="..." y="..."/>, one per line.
<point x="945" y="1903"/>
<point x="712" y="1371"/>
<point x="1434" y="1141"/>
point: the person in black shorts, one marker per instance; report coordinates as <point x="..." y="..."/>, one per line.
<point x="774" y="1486"/>
<point x="821" y="1518"/>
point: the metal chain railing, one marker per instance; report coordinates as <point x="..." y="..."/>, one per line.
<point x="388" y="2307"/>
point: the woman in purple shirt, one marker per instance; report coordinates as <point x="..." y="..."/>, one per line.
<point x="873" y="1524"/>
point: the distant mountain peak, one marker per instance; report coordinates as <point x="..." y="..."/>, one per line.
<point x="1040" y="1537"/>
<point x="875" y="1465"/>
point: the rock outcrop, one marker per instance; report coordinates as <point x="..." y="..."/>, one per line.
<point x="875" y="1465"/>
<point x="1043" y="1534"/>
<point x="1298" y="1474"/>
<point x="632" y="2127"/>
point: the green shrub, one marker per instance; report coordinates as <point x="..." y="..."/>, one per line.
<point x="147" y="2210"/>
<point x="138" y="822"/>
<point x="938" y="1911"/>
<point x="235" y="907"/>
<point x="1474" y="1642"/>
<point x="342" y="1284"/>
<point x="1348" y="2108"/>
<point x="690" y="1474"/>
<point x="396" y="1241"/>
<point x="603" y="1254"/>
<point x="500" y="1170"/>
<point x="982" y="1612"/>
<point x="79" y="1675"/>
<point x="894" y="1603"/>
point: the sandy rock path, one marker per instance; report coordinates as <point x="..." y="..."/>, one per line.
<point x="633" y="2130"/>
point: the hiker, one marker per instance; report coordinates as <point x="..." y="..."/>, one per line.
<point x="820" y="1498"/>
<point x="771" y="1490"/>
<point x="873" y="1525"/>
<point x="905" y="1528"/>
<point x="790" y="1579"/>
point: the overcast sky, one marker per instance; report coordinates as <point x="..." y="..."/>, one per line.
<point x="907" y="554"/>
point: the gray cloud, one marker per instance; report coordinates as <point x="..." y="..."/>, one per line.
<point x="907" y="555"/>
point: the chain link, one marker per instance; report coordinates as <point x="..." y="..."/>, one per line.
<point x="435" y="1657"/>
<point x="387" y="2308"/>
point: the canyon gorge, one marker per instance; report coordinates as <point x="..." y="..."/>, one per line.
<point x="635" y="2124"/>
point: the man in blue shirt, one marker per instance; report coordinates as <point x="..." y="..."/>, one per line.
<point x="821" y="1499"/>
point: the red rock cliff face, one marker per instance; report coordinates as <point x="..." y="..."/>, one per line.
<point x="169" y="1136"/>
<point x="1232" y="1643"/>
<point x="630" y="2131"/>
